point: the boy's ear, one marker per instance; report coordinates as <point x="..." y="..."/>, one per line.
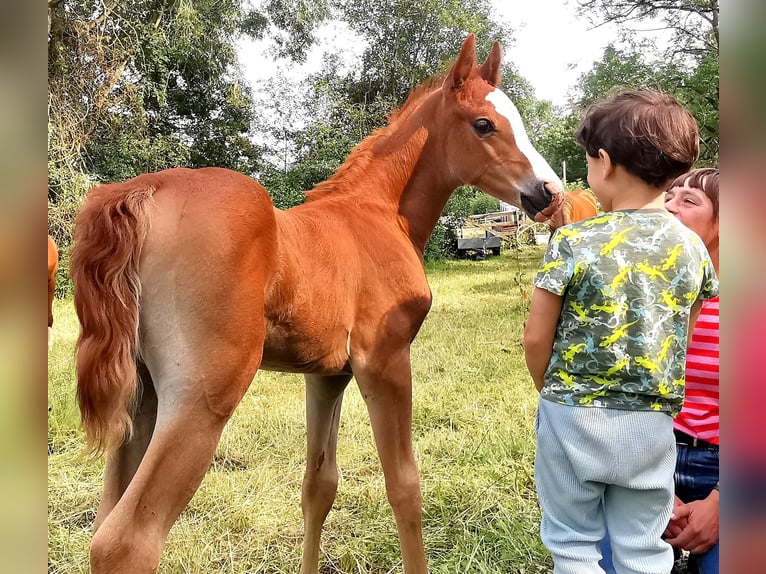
<point x="606" y="163"/>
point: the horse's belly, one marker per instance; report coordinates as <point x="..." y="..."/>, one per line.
<point x="292" y="354"/>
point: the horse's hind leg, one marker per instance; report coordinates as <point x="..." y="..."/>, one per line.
<point x="324" y="396"/>
<point x="122" y="464"/>
<point x="193" y="408"/>
<point x="202" y="359"/>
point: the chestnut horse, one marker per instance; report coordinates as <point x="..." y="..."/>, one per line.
<point x="189" y="281"/>
<point x="578" y="205"/>
<point x="53" y="266"/>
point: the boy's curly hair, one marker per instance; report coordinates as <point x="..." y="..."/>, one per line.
<point x="649" y="133"/>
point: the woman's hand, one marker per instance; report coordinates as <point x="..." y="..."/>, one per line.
<point x="700" y="531"/>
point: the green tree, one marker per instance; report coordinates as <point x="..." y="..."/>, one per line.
<point x="695" y="86"/>
<point x="140" y="86"/>
<point x="410" y="41"/>
<point x="697" y="89"/>
<point x="618" y="68"/>
<point x="293" y="24"/>
<point x="557" y="145"/>
<point x="144" y="85"/>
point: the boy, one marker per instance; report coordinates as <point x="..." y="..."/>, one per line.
<point x="606" y="337"/>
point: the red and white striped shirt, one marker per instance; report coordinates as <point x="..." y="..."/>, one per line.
<point x="699" y="415"/>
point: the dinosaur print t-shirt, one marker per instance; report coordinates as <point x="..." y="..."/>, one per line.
<point x="628" y="280"/>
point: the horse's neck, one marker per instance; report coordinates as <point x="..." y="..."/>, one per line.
<point x="399" y="170"/>
<point x="423" y="200"/>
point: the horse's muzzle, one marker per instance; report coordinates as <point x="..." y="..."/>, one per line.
<point x="541" y="199"/>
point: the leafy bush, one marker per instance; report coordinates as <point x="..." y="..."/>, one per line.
<point x="483" y="203"/>
<point x="575" y="185"/>
<point x="443" y="241"/>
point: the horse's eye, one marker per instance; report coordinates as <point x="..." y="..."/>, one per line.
<point x="483" y="126"/>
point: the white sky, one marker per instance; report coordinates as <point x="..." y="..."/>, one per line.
<point x="552" y="48"/>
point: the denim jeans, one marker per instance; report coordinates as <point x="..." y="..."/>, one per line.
<point x="696" y="474"/>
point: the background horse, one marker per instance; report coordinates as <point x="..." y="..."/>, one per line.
<point x="187" y="282"/>
<point x="53" y="266"/>
<point x="578" y="205"/>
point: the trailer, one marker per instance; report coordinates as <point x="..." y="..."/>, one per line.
<point x="494" y="227"/>
<point x="478" y="247"/>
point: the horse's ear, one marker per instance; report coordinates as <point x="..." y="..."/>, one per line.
<point x="490" y="69"/>
<point x="463" y="66"/>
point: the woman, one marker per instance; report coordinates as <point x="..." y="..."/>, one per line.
<point x="693" y="199"/>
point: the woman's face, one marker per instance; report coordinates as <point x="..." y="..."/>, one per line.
<point x="695" y="210"/>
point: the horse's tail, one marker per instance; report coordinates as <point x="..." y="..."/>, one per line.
<point x="110" y="232"/>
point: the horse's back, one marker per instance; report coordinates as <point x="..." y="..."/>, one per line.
<point x="202" y="184"/>
<point x="184" y="222"/>
<point x="209" y="256"/>
<point x="577" y="205"/>
<point x="190" y="212"/>
<point x="583" y="205"/>
<point x="207" y="213"/>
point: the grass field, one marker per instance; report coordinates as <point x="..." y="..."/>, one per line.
<point x="473" y="416"/>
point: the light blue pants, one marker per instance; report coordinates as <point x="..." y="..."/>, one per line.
<point x="696" y="475"/>
<point x="586" y="455"/>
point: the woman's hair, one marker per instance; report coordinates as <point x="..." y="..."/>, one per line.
<point x="704" y="178"/>
<point x="649" y="133"/>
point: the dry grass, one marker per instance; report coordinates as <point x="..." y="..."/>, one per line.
<point x="473" y="436"/>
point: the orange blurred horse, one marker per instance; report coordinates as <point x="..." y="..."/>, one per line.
<point x="53" y="266"/>
<point x="187" y="282"/>
<point x="578" y="205"/>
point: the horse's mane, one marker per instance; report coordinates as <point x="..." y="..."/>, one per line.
<point x="361" y="154"/>
<point x="417" y="95"/>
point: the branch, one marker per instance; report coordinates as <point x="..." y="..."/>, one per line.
<point x="622" y="12"/>
<point x="107" y="11"/>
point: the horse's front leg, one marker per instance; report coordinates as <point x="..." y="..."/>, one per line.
<point x="324" y="396"/>
<point x="386" y="385"/>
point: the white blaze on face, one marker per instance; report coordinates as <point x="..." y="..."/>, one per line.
<point x="504" y="106"/>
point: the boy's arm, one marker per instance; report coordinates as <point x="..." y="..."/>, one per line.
<point x="539" y="332"/>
